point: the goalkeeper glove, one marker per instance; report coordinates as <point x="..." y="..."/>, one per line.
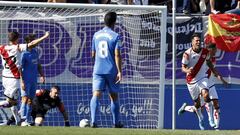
<point x="67" y="124"/>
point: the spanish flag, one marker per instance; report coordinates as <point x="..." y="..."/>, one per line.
<point x="224" y="30"/>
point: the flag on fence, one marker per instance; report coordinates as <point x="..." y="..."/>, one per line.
<point x="224" y="30"/>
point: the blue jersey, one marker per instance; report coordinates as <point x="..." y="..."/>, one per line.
<point x="104" y="44"/>
<point x="30" y="66"/>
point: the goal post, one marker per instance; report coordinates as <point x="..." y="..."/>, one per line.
<point x="66" y="57"/>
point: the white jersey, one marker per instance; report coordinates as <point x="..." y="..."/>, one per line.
<point x="191" y="58"/>
<point x="11" y="59"/>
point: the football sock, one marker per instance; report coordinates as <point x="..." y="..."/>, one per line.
<point x="199" y="113"/>
<point x="115" y="111"/>
<point x="216" y="117"/>
<point x="28" y="110"/>
<point x="93" y="106"/>
<point x="15" y="114"/>
<point x="209" y="109"/>
<point x="23" y="110"/>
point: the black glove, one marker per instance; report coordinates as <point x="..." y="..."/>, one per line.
<point x="67" y="124"/>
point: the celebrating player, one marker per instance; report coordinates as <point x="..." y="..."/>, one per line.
<point x="194" y="64"/>
<point x="107" y="68"/>
<point x="11" y="73"/>
<point x="214" y="118"/>
<point x="44" y="101"/>
<point x="30" y="69"/>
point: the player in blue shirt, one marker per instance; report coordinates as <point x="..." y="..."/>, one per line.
<point x="30" y="69"/>
<point x="107" y="68"/>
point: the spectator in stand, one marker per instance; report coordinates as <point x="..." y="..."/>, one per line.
<point x="191" y="6"/>
<point x="236" y="10"/>
<point x="119" y="2"/>
<point x="218" y="6"/>
<point x="137" y="2"/>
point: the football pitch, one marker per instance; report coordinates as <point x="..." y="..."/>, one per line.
<point x="13" y="130"/>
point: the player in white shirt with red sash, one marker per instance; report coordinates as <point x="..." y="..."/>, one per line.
<point x="11" y="73"/>
<point x="195" y="64"/>
<point x="213" y="116"/>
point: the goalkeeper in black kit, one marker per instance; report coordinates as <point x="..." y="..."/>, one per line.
<point x="44" y="101"/>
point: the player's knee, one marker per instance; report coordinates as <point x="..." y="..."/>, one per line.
<point x="12" y="102"/>
<point x="197" y="104"/>
<point x="24" y="99"/>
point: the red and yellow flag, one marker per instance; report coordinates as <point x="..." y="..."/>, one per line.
<point x="224" y="30"/>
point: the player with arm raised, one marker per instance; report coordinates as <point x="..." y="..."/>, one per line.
<point x="30" y="70"/>
<point x="194" y="64"/>
<point x="107" y="68"/>
<point x="44" y="101"/>
<point x="11" y="73"/>
<point x="214" y="118"/>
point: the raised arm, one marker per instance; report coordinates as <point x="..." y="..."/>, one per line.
<point x="216" y="73"/>
<point x="36" y="41"/>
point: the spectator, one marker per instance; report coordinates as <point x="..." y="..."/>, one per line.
<point x="137" y="2"/>
<point x="218" y="6"/>
<point x="191" y="6"/>
<point x="119" y="2"/>
<point x="236" y="10"/>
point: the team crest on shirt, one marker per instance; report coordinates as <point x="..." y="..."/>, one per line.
<point x="204" y="56"/>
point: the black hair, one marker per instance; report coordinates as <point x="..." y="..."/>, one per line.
<point x="195" y="35"/>
<point x="29" y="38"/>
<point x="110" y="19"/>
<point x="13" y="36"/>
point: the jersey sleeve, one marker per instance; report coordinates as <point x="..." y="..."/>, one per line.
<point x="22" y="47"/>
<point x="185" y="59"/>
<point x="118" y="42"/>
<point x="93" y="43"/>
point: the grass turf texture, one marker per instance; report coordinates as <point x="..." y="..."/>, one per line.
<point x="14" y="130"/>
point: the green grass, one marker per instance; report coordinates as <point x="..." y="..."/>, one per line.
<point x="13" y="130"/>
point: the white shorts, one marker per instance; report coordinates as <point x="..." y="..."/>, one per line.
<point x="212" y="89"/>
<point x="196" y="88"/>
<point x="11" y="87"/>
<point x="212" y="92"/>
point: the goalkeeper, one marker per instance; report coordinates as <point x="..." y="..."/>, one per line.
<point x="44" y="101"/>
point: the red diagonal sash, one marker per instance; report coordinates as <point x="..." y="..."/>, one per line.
<point x="197" y="67"/>
<point x="11" y="63"/>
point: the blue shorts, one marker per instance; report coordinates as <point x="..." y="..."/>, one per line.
<point x="103" y="81"/>
<point x="30" y="90"/>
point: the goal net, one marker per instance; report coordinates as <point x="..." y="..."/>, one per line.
<point x="66" y="57"/>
